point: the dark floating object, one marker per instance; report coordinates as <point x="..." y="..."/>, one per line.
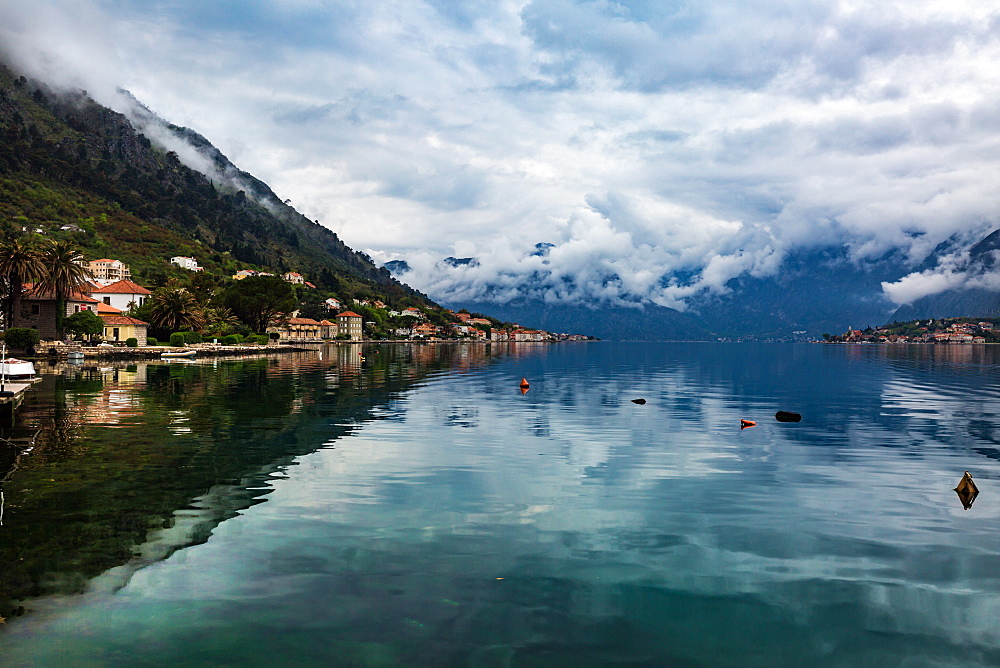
<point x="638" y="401"/>
<point x="787" y="416"/>
<point x="967" y="490"/>
<point x="745" y="424"/>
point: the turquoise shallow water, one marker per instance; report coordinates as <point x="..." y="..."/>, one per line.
<point x="414" y="508"/>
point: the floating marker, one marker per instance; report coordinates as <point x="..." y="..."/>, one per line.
<point x="638" y="401"/>
<point x="744" y="424"/>
<point x="967" y="484"/>
<point x="967" y="490"/>
<point x="524" y="382"/>
<point x="787" y="416"/>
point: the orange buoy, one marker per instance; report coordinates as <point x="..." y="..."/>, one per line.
<point x="524" y="390"/>
<point x="524" y="382"/>
<point x="747" y="423"/>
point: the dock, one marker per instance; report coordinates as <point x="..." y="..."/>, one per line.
<point x="11" y="397"/>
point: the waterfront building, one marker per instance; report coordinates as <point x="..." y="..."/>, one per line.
<point x="297" y="329"/>
<point x="120" y="327"/>
<point x="350" y="323"/>
<point x="37" y="310"/>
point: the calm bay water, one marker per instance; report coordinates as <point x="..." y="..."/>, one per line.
<point x="414" y="508"/>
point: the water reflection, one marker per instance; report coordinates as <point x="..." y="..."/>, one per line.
<point x="118" y="450"/>
<point x="420" y="509"/>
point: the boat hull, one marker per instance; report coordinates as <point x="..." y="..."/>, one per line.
<point x="13" y="368"/>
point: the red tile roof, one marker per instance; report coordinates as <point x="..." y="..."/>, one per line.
<point x="123" y="287"/>
<point x="32" y="292"/>
<point x="108" y="309"/>
<point x="302" y="321"/>
<point x="348" y="314"/>
<point x="121" y="320"/>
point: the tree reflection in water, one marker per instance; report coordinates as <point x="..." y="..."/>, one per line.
<point x="117" y="449"/>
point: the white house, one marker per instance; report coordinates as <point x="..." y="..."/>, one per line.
<point x="188" y="263"/>
<point x="120" y="294"/>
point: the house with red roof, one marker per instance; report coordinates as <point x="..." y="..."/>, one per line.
<point x="120" y="294"/>
<point x="120" y="327"/>
<point x="297" y="329"/>
<point x="425" y="329"/>
<point x="37" y="310"/>
<point x="350" y="324"/>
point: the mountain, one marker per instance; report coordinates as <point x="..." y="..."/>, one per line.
<point x="816" y="292"/>
<point x="654" y="323"/>
<point x="979" y="297"/>
<point x="117" y="186"/>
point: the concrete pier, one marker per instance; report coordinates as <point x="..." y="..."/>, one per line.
<point x="8" y="404"/>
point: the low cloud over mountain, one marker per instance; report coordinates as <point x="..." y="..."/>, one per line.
<point x="669" y="153"/>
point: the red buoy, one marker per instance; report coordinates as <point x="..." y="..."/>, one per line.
<point x="524" y="382"/>
<point x="747" y="423"/>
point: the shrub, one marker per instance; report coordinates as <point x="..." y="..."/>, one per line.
<point x="22" y="337"/>
<point x="232" y="340"/>
<point x="260" y="339"/>
<point x="151" y="341"/>
<point x="132" y="342"/>
<point x="184" y="338"/>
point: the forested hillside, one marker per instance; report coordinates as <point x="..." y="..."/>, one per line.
<point x="68" y="162"/>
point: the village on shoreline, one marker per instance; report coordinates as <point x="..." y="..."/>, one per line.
<point x="106" y="314"/>
<point x="925" y="331"/>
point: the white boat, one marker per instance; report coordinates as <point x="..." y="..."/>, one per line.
<point x="15" y="368"/>
<point x="180" y="354"/>
<point x="74" y="355"/>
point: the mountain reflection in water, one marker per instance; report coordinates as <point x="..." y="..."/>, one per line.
<point x="421" y="510"/>
<point x="111" y="452"/>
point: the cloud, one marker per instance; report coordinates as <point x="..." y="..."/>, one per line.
<point x="663" y="148"/>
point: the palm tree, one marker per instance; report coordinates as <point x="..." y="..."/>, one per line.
<point x="65" y="272"/>
<point x="176" y="309"/>
<point x="219" y="320"/>
<point x="20" y="263"/>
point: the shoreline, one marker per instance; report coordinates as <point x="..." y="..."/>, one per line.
<point x="43" y="352"/>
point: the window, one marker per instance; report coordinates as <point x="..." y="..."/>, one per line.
<point x="34" y="309"/>
<point x="107" y="300"/>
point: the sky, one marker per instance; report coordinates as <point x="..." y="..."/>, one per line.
<point x="656" y="149"/>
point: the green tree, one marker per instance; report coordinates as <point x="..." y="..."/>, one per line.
<point x="220" y="321"/>
<point x="84" y="323"/>
<point x="21" y="337"/>
<point x="257" y="300"/>
<point x="20" y="263"/>
<point x="174" y="309"/>
<point x="65" y="272"/>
